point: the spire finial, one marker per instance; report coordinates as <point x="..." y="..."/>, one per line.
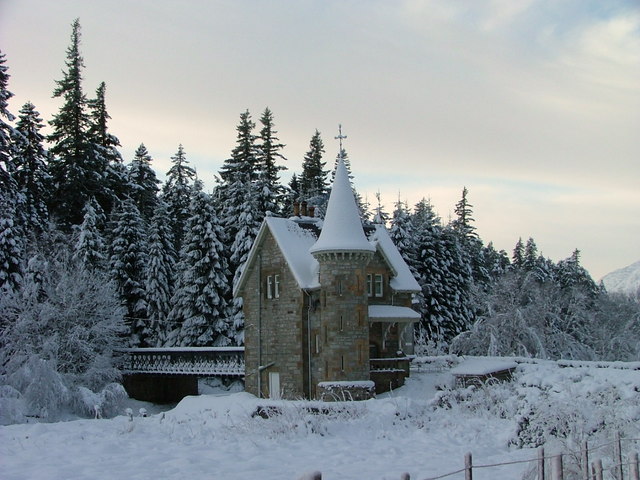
<point x="340" y="136"/>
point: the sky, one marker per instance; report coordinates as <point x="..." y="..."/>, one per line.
<point x="533" y="106"/>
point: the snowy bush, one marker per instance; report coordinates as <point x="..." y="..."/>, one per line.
<point x="550" y="403"/>
<point x="58" y="334"/>
<point x="529" y="318"/>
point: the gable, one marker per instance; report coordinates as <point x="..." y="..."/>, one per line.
<point x="293" y="243"/>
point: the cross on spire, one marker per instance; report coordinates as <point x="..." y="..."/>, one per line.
<point x="340" y="136"/>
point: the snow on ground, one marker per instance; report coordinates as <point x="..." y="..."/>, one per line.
<point x="217" y="436"/>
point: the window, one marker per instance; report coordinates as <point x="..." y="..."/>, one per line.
<point x="269" y="286"/>
<point x="369" y="285"/>
<point x="273" y="286"/>
<point x="317" y="341"/>
<point x="276" y="286"/>
<point x="378" y="285"/>
<point x="341" y="323"/>
<point x="342" y="363"/>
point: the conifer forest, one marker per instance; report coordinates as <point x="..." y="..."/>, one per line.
<point x="98" y="254"/>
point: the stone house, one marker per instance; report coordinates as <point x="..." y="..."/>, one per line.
<point x="327" y="305"/>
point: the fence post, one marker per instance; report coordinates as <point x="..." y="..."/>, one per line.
<point x="633" y="467"/>
<point x="617" y="447"/>
<point x="584" y="460"/>
<point x="597" y="470"/>
<point x="468" y="467"/>
<point x="541" y="463"/>
<point x="556" y="468"/>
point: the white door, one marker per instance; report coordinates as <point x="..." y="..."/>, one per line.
<point x="274" y="385"/>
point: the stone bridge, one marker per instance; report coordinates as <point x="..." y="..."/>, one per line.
<point x="166" y="375"/>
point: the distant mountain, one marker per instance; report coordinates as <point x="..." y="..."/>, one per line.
<point x="625" y="280"/>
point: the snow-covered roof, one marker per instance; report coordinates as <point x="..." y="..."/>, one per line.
<point x="342" y="230"/>
<point x="402" y="279"/>
<point x="392" y="313"/>
<point x="294" y="242"/>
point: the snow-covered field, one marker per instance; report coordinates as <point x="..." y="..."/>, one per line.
<point x="415" y="429"/>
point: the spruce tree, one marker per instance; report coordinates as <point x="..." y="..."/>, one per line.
<point x="144" y="183"/>
<point x="160" y="275"/>
<point x="517" y="259"/>
<point x="105" y="149"/>
<point x="128" y="261"/>
<point x="269" y="153"/>
<point x="200" y="309"/>
<point x="403" y="236"/>
<point x="6" y="131"/>
<point x="11" y="235"/>
<point x="380" y="217"/>
<point x="313" y="180"/>
<point x="90" y="247"/>
<point x="176" y="193"/>
<point x="31" y="170"/>
<point x="77" y="172"/>
<point x="11" y="247"/>
<point x="444" y="275"/>
<point x="530" y="258"/>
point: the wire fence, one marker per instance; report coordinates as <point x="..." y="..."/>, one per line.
<point x="587" y="470"/>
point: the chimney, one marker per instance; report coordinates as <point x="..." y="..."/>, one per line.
<point x="296" y="209"/>
<point x="312" y="210"/>
<point x="303" y="209"/>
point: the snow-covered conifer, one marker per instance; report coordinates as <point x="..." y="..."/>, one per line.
<point x="159" y="281"/>
<point x="176" y="193"/>
<point x="90" y="247"/>
<point x="200" y="312"/>
<point x="31" y="171"/>
<point x="144" y="182"/>
<point x="128" y="261"/>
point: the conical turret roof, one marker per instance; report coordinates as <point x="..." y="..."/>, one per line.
<point x="342" y="230"/>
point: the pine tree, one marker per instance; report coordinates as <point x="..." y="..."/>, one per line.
<point x="313" y="180"/>
<point x="199" y="306"/>
<point x="77" y="172"/>
<point x="144" y="183"/>
<point x="160" y="273"/>
<point x="177" y="192"/>
<point x="31" y="171"/>
<point x="90" y="247"/>
<point x="128" y="261"/>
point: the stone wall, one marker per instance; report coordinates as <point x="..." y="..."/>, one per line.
<point x="341" y="347"/>
<point x="273" y="329"/>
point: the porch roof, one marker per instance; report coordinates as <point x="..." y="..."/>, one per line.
<point x="392" y="313"/>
